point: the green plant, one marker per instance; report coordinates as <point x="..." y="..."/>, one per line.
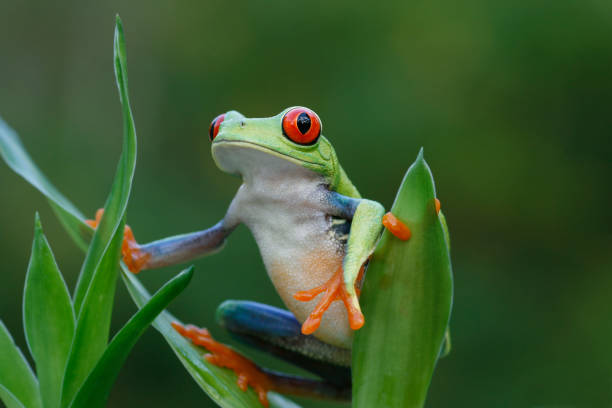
<point x="68" y="338"/>
<point x="414" y="274"/>
<point x="394" y="356"/>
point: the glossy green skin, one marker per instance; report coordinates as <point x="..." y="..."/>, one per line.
<point x="267" y="134"/>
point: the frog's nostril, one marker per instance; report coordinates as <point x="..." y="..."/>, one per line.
<point x="214" y="126"/>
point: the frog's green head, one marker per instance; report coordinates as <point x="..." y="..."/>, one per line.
<point x="241" y="145"/>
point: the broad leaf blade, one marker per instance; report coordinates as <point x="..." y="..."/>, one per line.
<point x="406" y="301"/>
<point x="48" y="318"/>
<point x="96" y="388"/>
<point x="218" y="383"/>
<point x="16" y="376"/>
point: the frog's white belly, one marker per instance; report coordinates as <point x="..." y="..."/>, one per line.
<point x="284" y="211"/>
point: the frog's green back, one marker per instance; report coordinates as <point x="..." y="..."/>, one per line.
<point x="338" y="179"/>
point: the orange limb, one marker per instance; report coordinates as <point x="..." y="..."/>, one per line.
<point x="437" y="203"/>
<point x="396" y="227"/>
<point x="133" y="257"/>
<point x="223" y="356"/>
<point x="332" y="290"/>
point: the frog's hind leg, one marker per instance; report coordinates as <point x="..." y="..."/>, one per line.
<point x="277" y="332"/>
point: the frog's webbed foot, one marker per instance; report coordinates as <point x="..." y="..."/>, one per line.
<point x="133" y="257"/>
<point x="334" y="289"/>
<point x="223" y="356"/>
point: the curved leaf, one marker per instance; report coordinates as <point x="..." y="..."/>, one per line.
<point x="218" y="383"/>
<point x="94" y="294"/>
<point x="48" y="318"/>
<point x="91" y="335"/>
<point x="16" y="376"/>
<point x="116" y="203"/>
<point x="9" y="399"/>
<point x="96" y="388"/>
<point x="394" y="357"/>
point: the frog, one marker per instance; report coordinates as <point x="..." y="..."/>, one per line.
<point x="315" y="234"/>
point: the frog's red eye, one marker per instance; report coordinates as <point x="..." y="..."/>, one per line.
<point x="214" y="126"/>
<point x="302" y="126"/>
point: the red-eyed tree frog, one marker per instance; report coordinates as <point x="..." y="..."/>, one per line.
<point x="315" y="234"/>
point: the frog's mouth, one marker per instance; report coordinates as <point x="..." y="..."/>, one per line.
<point x="232" y="156"/>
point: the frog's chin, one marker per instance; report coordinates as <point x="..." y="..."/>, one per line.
<point x="246" y="158"/>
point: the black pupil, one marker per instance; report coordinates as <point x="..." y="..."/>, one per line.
<point x="303" y="122"/>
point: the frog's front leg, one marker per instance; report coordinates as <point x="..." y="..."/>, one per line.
<point x="367" y="221"/>
<point x="366" y="225"/>
<point x="172" y="250"/>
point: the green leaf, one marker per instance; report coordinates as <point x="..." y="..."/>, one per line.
<point x="91" y="336"/>
<point x="406" y="301"/>
<point x="218" y="383"/>
<point x="15" y="156"/>
<point x="17" y="381"/>
<point x="117" y="200"/>
<point x="9" y="399"/>
<point x="96" y="388"/>
<point x="48" y="318"/>
<point x="94" y="294"/>
<point x="13" y="153"/>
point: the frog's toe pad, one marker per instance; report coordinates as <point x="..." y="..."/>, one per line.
<point x="396" y="227"/>
<point x="223" y="356"/>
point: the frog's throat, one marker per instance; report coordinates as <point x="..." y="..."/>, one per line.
<point x="267" y="150"/>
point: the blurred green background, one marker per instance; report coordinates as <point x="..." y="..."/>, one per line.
<point x="511" y="100"/>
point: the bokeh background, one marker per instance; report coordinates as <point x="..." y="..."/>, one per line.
<point x="511" y="100"/>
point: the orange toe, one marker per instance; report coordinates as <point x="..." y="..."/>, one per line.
<point x="222" y="356"/>
<point x="95" y="222"/>
<point x="133" y="257"/>
<point x="437" y="204"/>
<point x="396" y="227"/>
<point x="332" y="290"/>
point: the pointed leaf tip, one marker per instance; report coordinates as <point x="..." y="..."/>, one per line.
<point x="37" y="223"/>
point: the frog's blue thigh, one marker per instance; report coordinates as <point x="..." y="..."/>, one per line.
<point x="277" y="332"/>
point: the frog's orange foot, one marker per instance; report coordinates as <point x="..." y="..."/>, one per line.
<point x="396" y="227"/>
<point x="95" y="222"/>
<point x="222" y="356"/>
<point x="332" y="290"/>
<point x="133" y="257"/>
